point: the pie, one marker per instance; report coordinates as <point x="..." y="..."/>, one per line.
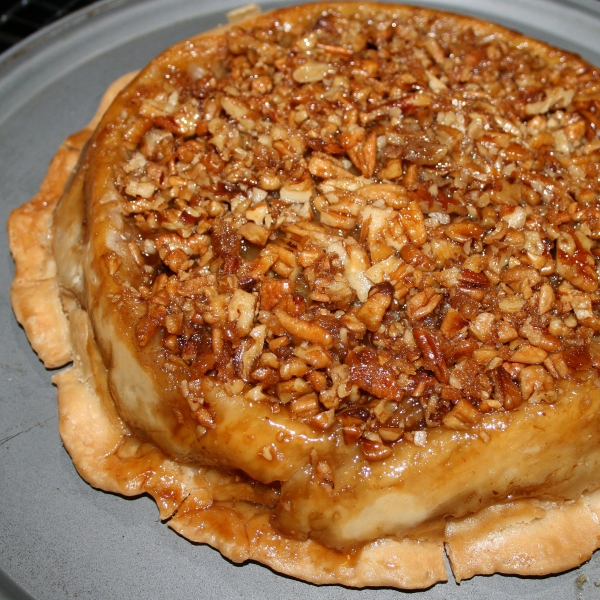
<point x="327" y="277"/>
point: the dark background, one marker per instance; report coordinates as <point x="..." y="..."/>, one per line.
<point x="18" y="19"/>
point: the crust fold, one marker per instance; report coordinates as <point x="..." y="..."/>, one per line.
<point x="525" y="537"/>
<point x="35" y="277"/>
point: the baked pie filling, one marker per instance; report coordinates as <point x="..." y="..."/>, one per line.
<point x="346" y="256"/>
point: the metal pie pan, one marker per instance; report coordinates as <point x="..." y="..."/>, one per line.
<point x="59" y="538"/>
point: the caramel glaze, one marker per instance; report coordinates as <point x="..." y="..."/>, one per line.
<point x="528" y="452"/>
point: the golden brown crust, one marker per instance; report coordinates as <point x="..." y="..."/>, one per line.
<point x="524" y="537"/>
<point x="406" y="564"/>
<point x="35" y="276"/>
<point x="100" y="407"/>
<point x="34" y="292"/>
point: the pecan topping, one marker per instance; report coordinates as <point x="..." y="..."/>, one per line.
<point x="372" y="235"/>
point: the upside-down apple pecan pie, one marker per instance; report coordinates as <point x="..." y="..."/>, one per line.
<point x="328" y="280"/>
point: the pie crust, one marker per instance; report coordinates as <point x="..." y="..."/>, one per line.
<point x="501" y="480"/>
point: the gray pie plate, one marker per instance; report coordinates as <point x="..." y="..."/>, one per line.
<point x="59" y="537"/>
